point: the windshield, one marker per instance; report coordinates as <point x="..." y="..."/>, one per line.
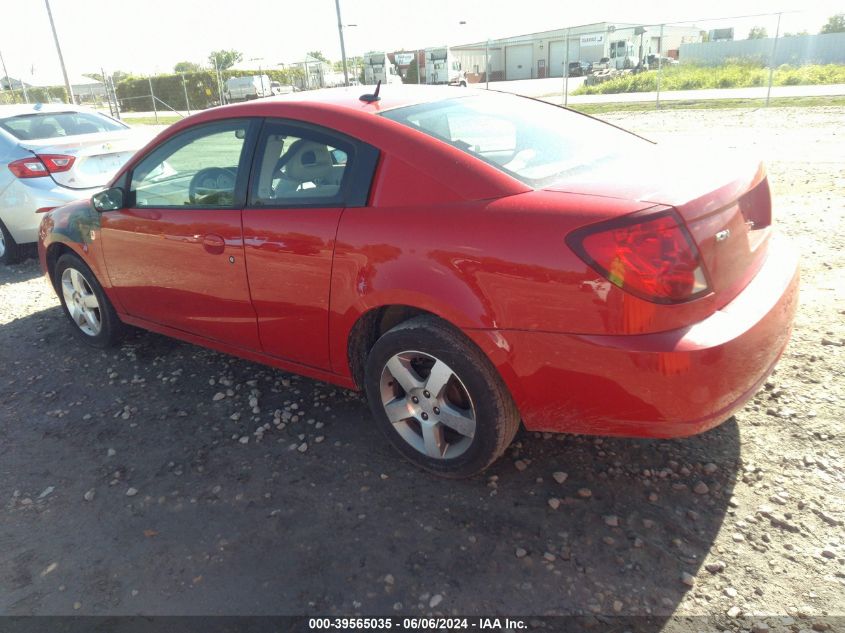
<point x="534" y="141"/>
<point x="43" y="125"/>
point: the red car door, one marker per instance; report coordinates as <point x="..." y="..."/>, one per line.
<point x="303" y="178"/>
<point x="175" y="254"/>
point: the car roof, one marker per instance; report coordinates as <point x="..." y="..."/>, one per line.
<point x="391" y="96"/>
<point x="7" y="111"/>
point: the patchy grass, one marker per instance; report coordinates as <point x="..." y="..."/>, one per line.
<point x="150" y="120"/>
<point x="709" y="104"/>
<point x="688" y="77"/>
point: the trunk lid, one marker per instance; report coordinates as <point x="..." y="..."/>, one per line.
<point x="724" y="201"/>
<point x="97" y="157"/>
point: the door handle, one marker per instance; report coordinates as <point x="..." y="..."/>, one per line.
<point x="214" y="244"/>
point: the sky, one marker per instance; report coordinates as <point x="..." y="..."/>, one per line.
<point x="150" y="36"/>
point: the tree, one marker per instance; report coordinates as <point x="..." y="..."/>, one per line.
<point x="758" y="33"/>
<point x="186" y="67"/>
<point x="224" y="59"/>
<point x="318" y="55"/>
<point x="835" y="24"/>
<point x="412" y="74"/>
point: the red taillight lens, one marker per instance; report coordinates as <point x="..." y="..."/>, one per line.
<point x="28" y="168"/>
<point x="41" y="165"/>
<point x="651" y="256"/>
<point x="56" y="163"/>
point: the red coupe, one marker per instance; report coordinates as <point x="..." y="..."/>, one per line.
<point x="471" y="260"/>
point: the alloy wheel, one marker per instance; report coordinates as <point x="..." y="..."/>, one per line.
<point x="81" y="302"/>
<point x="428" y="404"/>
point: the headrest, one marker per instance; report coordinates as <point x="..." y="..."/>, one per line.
<point x="309" y="161"/>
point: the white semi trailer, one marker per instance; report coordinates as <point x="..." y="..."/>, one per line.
<point x="378" y="67"/>
<point x="441" y="67"/>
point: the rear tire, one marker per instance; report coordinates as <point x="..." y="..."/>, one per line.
<point x="85" y="305"/>
<point x="10" y="250"/>
<point x="438" y="399"/>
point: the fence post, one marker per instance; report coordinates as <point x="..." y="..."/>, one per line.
<point x="659" y="66"/>
<point x="114" y="96"/>
<point x="153" y="98"/>
<point x="108" y="92"/>
<point x="772" y="60"/>
<point x="487" y="64"/>
<point x="185" y="89"/>
<point x="566" y="72"/>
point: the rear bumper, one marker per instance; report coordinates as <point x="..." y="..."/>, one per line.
<point x="669" y="384"/>
<point x="21" y="200"/>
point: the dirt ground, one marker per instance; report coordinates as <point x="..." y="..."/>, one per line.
<point x="128" y="485"/>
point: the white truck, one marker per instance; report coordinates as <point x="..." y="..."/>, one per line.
<point x="622" y="53"/>
<point x="248" y="87"/>
<point x="441" y="67"/>
<point x="378" y="67"/>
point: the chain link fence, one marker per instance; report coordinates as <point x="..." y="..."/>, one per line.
<point x="746" y="57"/>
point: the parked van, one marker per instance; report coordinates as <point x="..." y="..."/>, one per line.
<point x="247" y="88"/>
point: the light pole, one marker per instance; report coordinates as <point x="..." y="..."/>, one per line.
<point x="59" y="51"/>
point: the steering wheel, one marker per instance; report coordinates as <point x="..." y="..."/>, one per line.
<point x="210" y="185"/>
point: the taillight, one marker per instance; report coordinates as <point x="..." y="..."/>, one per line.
<point x="41" y="165"/>
<point x="649" y="255"/>
<point x="28" y="168"/>
<point x="56" y="162"/>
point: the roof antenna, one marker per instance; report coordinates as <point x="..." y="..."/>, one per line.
<point x="370" y="98"/>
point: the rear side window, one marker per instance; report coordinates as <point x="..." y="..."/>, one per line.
<point x="301" y="165"/>
<point x="536" y="142"/>
<point x="46" y="125"/>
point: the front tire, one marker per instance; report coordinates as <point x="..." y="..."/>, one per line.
<point x="438" y="399"/>
<point x="86" y="306"/>
<point x="10" y="250"/>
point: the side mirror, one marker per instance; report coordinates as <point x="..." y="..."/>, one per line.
<point x="108" y="200"/>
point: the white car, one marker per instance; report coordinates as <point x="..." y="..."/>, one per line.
<point x="50" y="155"/>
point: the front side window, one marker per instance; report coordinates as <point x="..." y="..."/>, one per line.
<point x="536" y="142"/>
<point x="199" y="168"/>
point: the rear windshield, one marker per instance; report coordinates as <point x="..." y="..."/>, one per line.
<point x="44" y="125"/>
<point x="536" y="142"/>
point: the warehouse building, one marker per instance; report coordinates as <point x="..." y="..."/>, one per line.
<point x="544" y="54"/>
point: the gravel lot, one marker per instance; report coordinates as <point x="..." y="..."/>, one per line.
<point x="161" y="478"/>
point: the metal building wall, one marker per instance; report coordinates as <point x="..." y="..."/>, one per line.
<point x="797" y="49"/>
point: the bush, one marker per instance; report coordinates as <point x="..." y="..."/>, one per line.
<point x="737" y="75"/>
<point x="36" y="95"/>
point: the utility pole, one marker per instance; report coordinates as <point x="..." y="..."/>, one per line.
<point x="59" y="51"/>
<point x="5" y="74"/>
<point x="342" y="45"/>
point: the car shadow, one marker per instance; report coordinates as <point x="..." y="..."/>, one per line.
<point x="319" y="516"/>
<point x="25" y="270"/>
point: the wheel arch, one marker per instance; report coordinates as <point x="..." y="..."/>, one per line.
<point x="369" y="326"/>
<point x="53" y="253"/>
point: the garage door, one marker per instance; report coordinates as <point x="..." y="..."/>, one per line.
<point x="557" y="57"/>
<point x="518" y="60"/>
